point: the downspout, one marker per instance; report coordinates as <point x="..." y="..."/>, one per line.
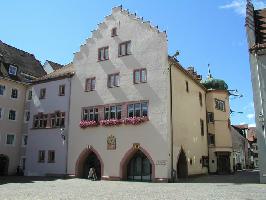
<point x="68" y="117"/>
<point x="207" y="133"/>
<point x="171" y="123"/>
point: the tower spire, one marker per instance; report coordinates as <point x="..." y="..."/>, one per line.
<point x="209" y="72"/>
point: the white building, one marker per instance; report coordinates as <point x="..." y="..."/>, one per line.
<point x="256" y="35"/>
<point x="48" y="125"/>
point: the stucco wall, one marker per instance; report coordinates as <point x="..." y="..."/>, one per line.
<point x="220" y="128"/>
<point x="186" y="121"/>
<point x="12" y="127"/>
<point x="149" y="50"/>
<point x="49" y="138"/>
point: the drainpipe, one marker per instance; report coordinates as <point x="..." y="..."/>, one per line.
<point x="171" y="123"/>
<point x="68" y="117"/>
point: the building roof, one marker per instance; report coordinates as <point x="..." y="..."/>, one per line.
<point x="54" y="65"/>
<point x="251" y="135"/>
<point x="186" y="72"/>
<point x="256" y="20"/>
<point x="65" y="71"/>
<point x="28" y="67"/>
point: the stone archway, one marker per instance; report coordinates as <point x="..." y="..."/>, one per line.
<point x="182" y="166"/>
<point x="89" y="157"/>
<point x="144" y="158"/>
<point x="4" y="162"/>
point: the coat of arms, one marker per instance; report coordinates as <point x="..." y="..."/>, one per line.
<point x="111" y="142"/>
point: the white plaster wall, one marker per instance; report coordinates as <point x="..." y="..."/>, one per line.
<point x="47" y="139"/>
<point x="149" y="50"/>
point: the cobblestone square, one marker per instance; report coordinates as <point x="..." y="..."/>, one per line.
<point x="242" y="185"/>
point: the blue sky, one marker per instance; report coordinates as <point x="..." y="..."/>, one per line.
<point x="203" y="31"/>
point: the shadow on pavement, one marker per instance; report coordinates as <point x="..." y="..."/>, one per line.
<point x="25" y="179"/>
<point x="240" y="177"/>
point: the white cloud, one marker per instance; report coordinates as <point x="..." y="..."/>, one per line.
<point x="239" y="6"/>
<point x="250" y="116"/>
<point x="252" y="125"/>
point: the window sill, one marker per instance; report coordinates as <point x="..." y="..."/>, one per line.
<point x="139" y="83"/>
<point x="103" y="60"/>
<point x="47" y="128"/>
<point x="51" y="162"/>
<point x="124" y="55"/>
<point x="113" y="87"/>
<point x="89" y="90"/>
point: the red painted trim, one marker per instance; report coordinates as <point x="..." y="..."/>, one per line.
<point x="99" y="57"/>
<point x="128" y="155"/>
<point x="82" y="157"/>
<point x="119" y="48"/>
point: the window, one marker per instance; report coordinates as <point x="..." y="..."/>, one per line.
<point x="10" y="139"/>
<point x="51" y="156"/>
<point x="60" y="119"/>
<point x="220" y="105"/>
<point x="27" y="116"/>
<point x="91" y="114"/>
<point x="114" y="32"/>
<point x="103" y="54"/>
<point x="2" y="90"/>
<point x="90" y="84"/>
<point x="12" y="115"/>
<point x="113" y="80"/>
<point x="24" y="140"/>
<point x="14" y="93"/>
<point x="23" y="162"/>
<point x="12" y="70"/>
<point x="138" y="109"/>
<point x="113" y="112"/>
<point x="54" y="120"/>
<point x="36" y="122"/>
<point x="61" y="90"/>
<point x="202" y="127"/>
<point x="211" y="139"/>
<point x="210" y="117"/>
<point x="200" y="98"/>
<point x="124" y="48"/>
<point x="1" y="113"/>
<point x="187" y="88"/>
<point x="29" y="95"/>
<point x="41" y="157"/>
<point x="42" y="93"/>
<point x="140" y="76"/>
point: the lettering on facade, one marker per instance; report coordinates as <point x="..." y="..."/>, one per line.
<point x="161" y="162"/>
<point x="111" y="142"/>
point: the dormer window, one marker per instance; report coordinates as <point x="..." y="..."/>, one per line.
<point x="114" y="32"/>
<point x="12" y="70"/>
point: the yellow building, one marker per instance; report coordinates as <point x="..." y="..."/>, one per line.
<point x="218" y="119"/>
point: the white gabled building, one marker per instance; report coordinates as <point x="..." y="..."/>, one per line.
<point x="122" y="71"/>
<point x="46" y="152"/>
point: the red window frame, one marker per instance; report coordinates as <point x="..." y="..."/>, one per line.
<point x="140" y="75"/>
<point x="105" y="57"/>
<point x="88" y="84"/>
<point x="127" y="52"/>
<point x="109" y="85"/>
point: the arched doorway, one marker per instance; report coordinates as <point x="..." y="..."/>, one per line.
<point x="139" y="168"/>
<point x="4" y="161"/>
<point x="182" y="168"/>
<point x="92" y="161"/>
<point x="89" y="158"/>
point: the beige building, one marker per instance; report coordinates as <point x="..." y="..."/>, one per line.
<point x="17" y="68"/>
<point x="218" y="119"/>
